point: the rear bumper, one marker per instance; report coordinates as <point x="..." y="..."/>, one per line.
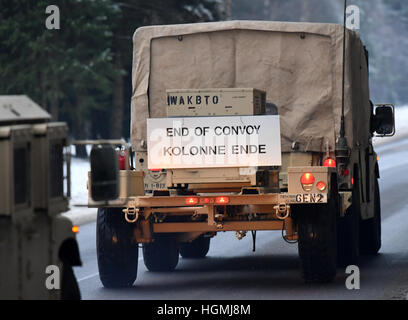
<point x="233" y="200"/>
<point x="243" y="212"/>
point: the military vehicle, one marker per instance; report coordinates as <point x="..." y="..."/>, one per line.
<point x="37" y="245"/>
<point x="253" y="126"/>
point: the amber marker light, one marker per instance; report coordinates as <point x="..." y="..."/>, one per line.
<point x="75" y="229"/>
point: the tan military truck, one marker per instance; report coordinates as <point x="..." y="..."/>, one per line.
<point x="37" y="245"/>
<point x="251" y="127"/>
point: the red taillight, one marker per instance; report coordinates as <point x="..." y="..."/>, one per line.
<point x="206" y="200"/>
<point x="191" y="201"/>
<point x="321" y="186"/>
<point x="219" y="200"/>
<point x="222" y="200"/>
<point x="307" y="180"/>
<point x="329" y="162"/>
<point x="155" y="170"/>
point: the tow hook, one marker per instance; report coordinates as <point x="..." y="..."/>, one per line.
<point x="282" y="211"/>
<point x="131" y="212"/>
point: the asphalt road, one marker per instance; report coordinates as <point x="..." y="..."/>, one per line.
<point x="232" y="271"/>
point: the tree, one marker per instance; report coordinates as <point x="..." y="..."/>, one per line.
<point x="69" y="69"/>
<point x="133" y="14"/>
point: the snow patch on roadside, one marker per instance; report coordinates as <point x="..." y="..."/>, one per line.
<point x="79" y="193"/>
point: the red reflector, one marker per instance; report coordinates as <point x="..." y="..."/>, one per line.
<point x="122" y="159"/>
<point x="307" y="178"/>
<point x="206" y="200"/>
<point x="329" y="162"/>
<point x="155" y="170"/>
<point x="191" y="200"/>
<point x="321" y="186"/>
<point x="222" y="200"/>
<point x="345" y="172"/>
<point x="352" y="180"/>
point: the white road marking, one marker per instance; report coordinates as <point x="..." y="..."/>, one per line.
<point x="88" y="277"/>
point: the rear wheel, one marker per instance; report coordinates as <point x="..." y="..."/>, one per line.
<point x="198" y="248"/>
<point x="117" y="253"/>
<point x="370" y="230"/>
<point x="317" y="246"/>
<point x="162" y="254"/>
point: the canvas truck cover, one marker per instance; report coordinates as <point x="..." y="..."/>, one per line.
<point x="299" y="65"/>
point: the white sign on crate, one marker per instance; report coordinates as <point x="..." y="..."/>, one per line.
<point x="208" y="142"/>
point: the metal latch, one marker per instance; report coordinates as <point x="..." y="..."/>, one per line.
<point x="131" y="211"/>
<point x="282" y="211"/>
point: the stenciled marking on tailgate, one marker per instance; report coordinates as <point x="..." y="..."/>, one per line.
<point x="304" y="198"/>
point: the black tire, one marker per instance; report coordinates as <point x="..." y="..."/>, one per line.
<point x="370" y="229"/>
<point x="349" y="231"/>
<point x="69" y="284"/>
<point x="317" y="230"/>
<point x="162" y="254"/>
<point x="116" y="251"/>
<point x="198" y="248"/>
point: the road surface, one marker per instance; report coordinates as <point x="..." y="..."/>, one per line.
<point x="232" y="271"/>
